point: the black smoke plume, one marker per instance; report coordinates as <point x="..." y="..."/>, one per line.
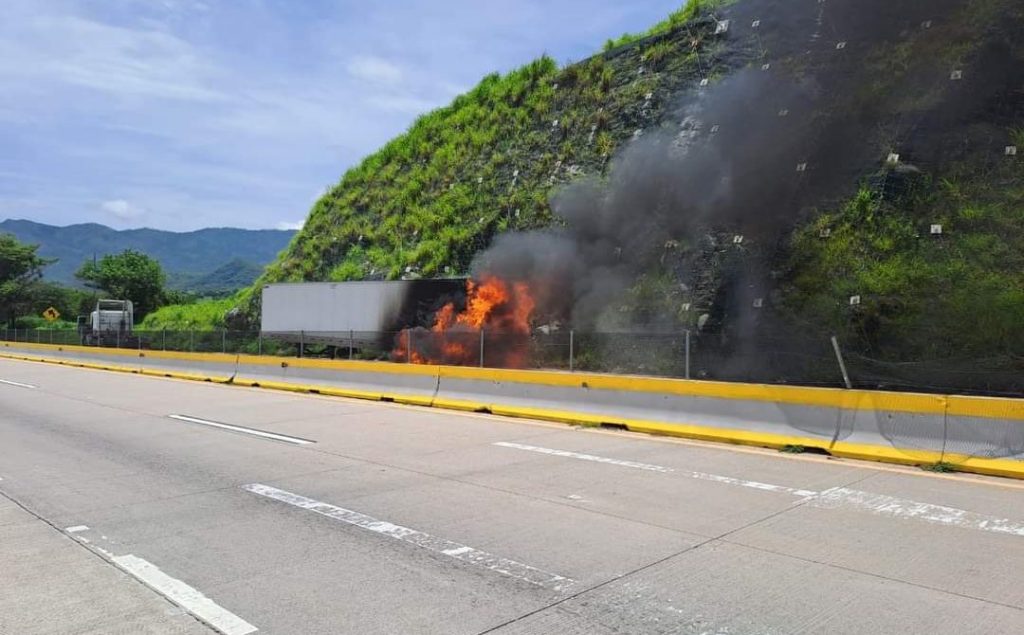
<point x="810" y="106"/>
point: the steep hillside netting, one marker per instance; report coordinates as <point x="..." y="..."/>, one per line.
<point x="764" y="174"/>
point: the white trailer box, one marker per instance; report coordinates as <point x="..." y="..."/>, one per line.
<point x="337" y="311"/>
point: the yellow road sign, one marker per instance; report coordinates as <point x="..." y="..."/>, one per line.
<point x="51" y="314"/>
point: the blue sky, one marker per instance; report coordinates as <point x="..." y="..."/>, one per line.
<point x="181" y="114"/>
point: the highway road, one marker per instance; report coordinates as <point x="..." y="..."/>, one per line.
<point x="134" y="504"/>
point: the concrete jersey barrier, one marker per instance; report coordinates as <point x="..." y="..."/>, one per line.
<point x="978" y="434"/>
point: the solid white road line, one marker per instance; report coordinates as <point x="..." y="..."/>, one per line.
<point x="449" y="548"/>
<point x="256" y="433"/>
<point x="184" y="596"/>
<point x="76" y="529"/>
<point x="893" y="507"/>
<point x="18" y="384"/>
<point x="768" y="487"/>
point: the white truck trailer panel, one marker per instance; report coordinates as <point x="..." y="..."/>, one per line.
<point x="332" y="307"/>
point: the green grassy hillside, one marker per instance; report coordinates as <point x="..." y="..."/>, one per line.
<point x="911" y="118"/>
<point x="428" y="201"/>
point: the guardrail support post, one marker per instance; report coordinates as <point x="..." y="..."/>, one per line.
<point x="481" y="348"/>
<point x="842" y="365"/>
<point x="687" y="353"/>
<point x="572" y="351"/>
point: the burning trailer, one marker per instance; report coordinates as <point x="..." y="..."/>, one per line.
<point x="488" y="326"/>
<point x="455" y="321"/>
<point x="359" y="316"/>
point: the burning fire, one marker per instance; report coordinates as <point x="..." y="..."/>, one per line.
<point x="496" y="319"/>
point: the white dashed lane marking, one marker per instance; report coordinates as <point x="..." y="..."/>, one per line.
<point x="17" y="384"/>
<point x="449" y="548"/>
<point x="703" y="476"/>
<point x="837" y="497"/>
<point x="256" y="433"/>
<point x="882" y="505"/>
<point x="184" y="596"/>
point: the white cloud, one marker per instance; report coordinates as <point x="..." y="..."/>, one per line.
<point x="374" y="69"/>
<point x="127" y="62"/>
<point x="186" y="5"/>
<point x="172" y="106"/>
<point x="288" y="225"/>
<point x="122" y="209"/>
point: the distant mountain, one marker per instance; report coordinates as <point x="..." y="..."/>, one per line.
<point x="201" y="261"/>
<point x="222" y="281"/>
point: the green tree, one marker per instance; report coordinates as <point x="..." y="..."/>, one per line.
<point x="20" y="268"/>
<point x="129" y="275"/>
<point x="69" y="302"/>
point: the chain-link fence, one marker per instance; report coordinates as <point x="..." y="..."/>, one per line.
<point x="810" y="361"/>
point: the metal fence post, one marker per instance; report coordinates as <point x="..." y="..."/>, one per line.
<point x="117" y="340"/>
<point x="191" y="340"/>
<point x="687" y="353"/>
<point x="842" y="364"/>
<point x="351" y="342"/>
<point x="481" y="348"/>
<point x="163" y="340"/>
<point x="302" y="342"/>
<point x="408" y="346"/>
<point x="572" y="351"/>
<point x="259" y="343"/>
<point x="223" y="340"/>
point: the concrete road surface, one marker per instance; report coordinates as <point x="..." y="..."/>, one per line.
<point x="142" y="505"/>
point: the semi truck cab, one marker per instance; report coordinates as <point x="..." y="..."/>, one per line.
<point x="110" y="324"/>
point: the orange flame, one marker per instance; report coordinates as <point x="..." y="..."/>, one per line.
<point x="496" y="313"/>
